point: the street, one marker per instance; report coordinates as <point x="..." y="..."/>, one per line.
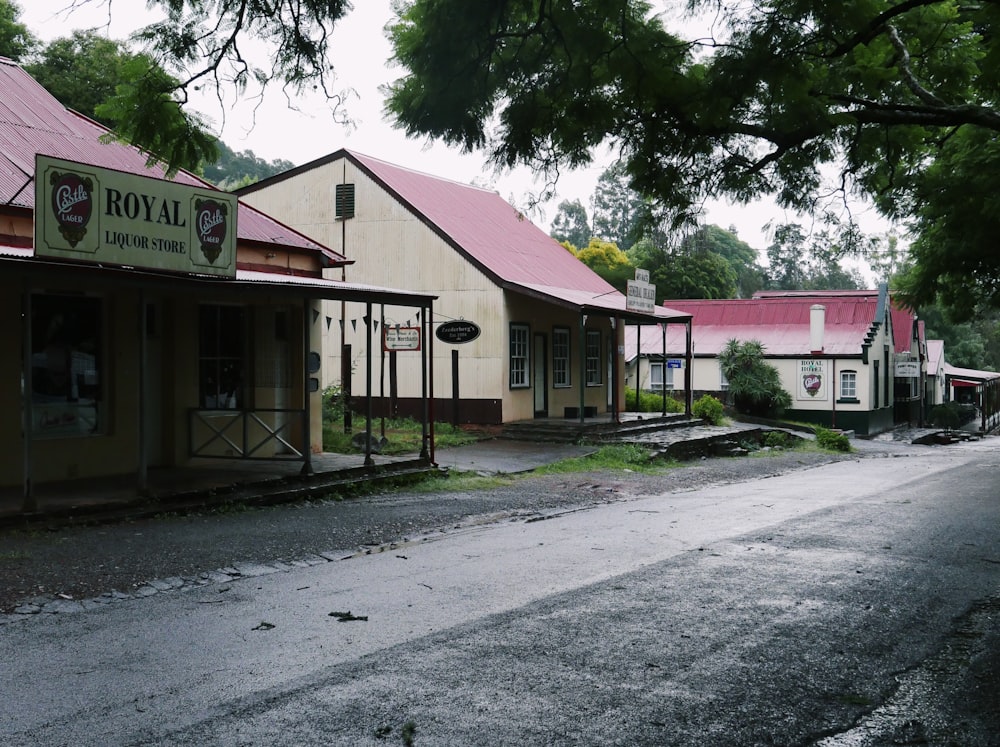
<point x="856" y="603"/>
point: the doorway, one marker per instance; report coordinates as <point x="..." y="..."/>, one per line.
<point x="540" y="377"/>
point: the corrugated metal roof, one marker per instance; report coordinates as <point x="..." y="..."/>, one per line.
<point x="32" y="121"/>
<point x="935" y="356"/>
<point x="780" y="323"/>
<point x="496" y="237"/>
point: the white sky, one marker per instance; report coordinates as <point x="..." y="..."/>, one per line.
<point x="360" y="58"/>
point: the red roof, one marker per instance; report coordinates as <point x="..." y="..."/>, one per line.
<point x="32" y="121"/>
<point x="781" y="322"/>
<point x="492" y="235"/>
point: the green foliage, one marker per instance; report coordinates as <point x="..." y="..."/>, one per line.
<point x="832" y="440"/>
<point x="650" y="402"/>
<point x="233" y="170"/>
<point x="620" y="215"/>
<point x="334" y="403"/>
<point x="810" y="103"/>
<point x="607" y="458"/>
<point x="571" y="226"/>
<point x="16" y="41"/>
<point x="754" y="384"/>
<point x="777" y="439"/>
<point x="608" y="261"/>
<point x="126" y="92"/>
<point x="709" y="409"/>
<point x="944" y="416"/>
<point x="800" y="262"/>
<point x="403" y="435"/>
<point x="974" y="343"/>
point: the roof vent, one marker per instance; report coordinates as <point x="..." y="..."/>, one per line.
<point x="344" y="201"/>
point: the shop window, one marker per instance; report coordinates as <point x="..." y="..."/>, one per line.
<point x="67" y="365"/>
<point x="848" y="385"/>
<point x="593" y="363"/>
<point x="560" y="358"/>
<point x="222" y="357"/>
<point x="519" y="356"/>
<point x="657" y="380"/>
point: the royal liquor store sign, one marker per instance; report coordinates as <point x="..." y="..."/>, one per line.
<point x="92" y="214"/>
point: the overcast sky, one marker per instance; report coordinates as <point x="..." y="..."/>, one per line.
<point x="361" y="54"/>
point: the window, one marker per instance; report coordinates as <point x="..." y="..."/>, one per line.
<point x="519" y="356"/>
<point x="66" y="365"/>
<point x="657" y="380"/>
<point x="723" y="381"/>
<point x="593" y="358"/>
<point x="560" y="357"/>
<point x="848" y="385"/>
<point x="343" y="201"/>
<point x="222" y="360"/>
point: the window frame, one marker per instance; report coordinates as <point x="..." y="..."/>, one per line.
<point x="593" y="362"/>
<point x="562" y="364"/>
<point x="519" y="356"/>
<point x="666" y="376"/>
<point x="224" y="364"/>
<point x="842" y="391"/>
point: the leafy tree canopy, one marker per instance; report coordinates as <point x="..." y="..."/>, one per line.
<point x="571" y="224"/>
<point x="608" y="261"/>
<point x="234" y="169"/>
<point x="16" y="41"/>
<point x="893" y="100"/>
<point x="620" y="214"/>
<point x="797" y="261"/>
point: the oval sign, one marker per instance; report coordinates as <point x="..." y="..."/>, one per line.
<point x="458" y="331"/>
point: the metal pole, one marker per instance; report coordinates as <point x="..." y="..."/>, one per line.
<point x="142" y="472"/>
<point x="29" y="503"/>
<point x="583" y="363"/>
<point x="368" y="386"/>
<point x="688" y="361"/>
<point x="638" y="364"/>
<point x="307" y="467"/>
<point x="663" y="371"/>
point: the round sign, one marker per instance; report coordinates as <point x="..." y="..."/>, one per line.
<point x="458" y="331"/>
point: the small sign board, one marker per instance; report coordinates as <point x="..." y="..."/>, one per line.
<point x="458" y="331"/>
<point x="675" y="363"/>
<point x="907" y="369"/>
<point x="400" y="338"/>
<point x="640" y="296"/>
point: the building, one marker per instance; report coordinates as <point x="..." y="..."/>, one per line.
<point x="152" y="322"/>
<point x="835" y="352"/>
<point x="522" y="329"/>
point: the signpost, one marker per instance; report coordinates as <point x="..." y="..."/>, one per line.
<point x="640" y="294"/>
<point x="907" y="369"/>
<point x="400" y="338"/>
<point x="458" y="331"/>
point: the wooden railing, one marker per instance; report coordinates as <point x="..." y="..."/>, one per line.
<point x="265" y="434"/>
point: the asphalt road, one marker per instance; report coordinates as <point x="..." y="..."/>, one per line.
<point x="854" y="603"/>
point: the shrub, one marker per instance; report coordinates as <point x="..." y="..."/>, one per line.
<point x="650" y="402"/>
<point x="831" y="440"/>
<point x="754" y="384"/>
<point x="776" y="439"/>
<point x="944" y="416"/>
<point x="709" y="409"/>
<point x="333" y="403"/>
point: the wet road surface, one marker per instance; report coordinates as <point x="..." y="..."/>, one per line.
<point x="849" y="604"/>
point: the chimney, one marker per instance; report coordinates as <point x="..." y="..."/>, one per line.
<point x="817" y="322"/>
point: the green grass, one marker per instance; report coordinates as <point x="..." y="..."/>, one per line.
<point x="404" y="436"/>
<point x="609" y="458"/>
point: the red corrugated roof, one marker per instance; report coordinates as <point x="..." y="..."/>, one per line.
<point x="781" y="323"/>
<point x="32" y="121"/>
<point x="497" y="238"/>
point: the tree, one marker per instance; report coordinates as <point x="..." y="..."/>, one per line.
<point x="690" y="270"/>
<point x="233" y="169"/>
<point x="101" y="79"/>
<point x="608" y="261"/>
<point x="754" y="384"/>
<point x="16" y="41"/>
<point x="797" y="261"/>
<point x="571" y="224"/>
<point x="620" y="216"/>
<point x="799" y="100"/>
<point x="739" y="255"/>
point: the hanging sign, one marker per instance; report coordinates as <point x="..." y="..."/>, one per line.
<point x="400" y="338"/>
<point x="458" y="331"/>
<point x="97" y="215"/>
<point x="640" y="295"/>
<point x="908" y="369"/>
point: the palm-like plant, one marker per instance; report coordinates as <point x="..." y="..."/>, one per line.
<point x="754" y="384"/>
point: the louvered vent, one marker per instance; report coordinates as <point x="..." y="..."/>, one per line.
<point x="344" y="200"/>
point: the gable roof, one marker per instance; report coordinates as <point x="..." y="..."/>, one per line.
<point x="491" y="234"/>
<point x="780" y="321"/>
<point x="32" y="121"/>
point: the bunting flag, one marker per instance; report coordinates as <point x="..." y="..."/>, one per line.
<point x="315" y="315"/>
<point x="374" y="325"/>
<point x="364" y="320"/>
<point x="354" y="325"/>
<point x="418" y="318"/>
<point x="341" y="325"/>
<point x="329" y="321"/>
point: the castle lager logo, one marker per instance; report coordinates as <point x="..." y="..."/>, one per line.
<point x="72" y="204"/>
<point x="812" y="383"/>
<point x="211" y="223"/>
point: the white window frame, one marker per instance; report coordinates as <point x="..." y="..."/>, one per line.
<point x="846" y="393"/>
<point x="561" y="356"/>
<point x="594" y="363"/>
<point x="657" y="369"/>
<point x="723" y="381"/>
<point x="520" y="356"/>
